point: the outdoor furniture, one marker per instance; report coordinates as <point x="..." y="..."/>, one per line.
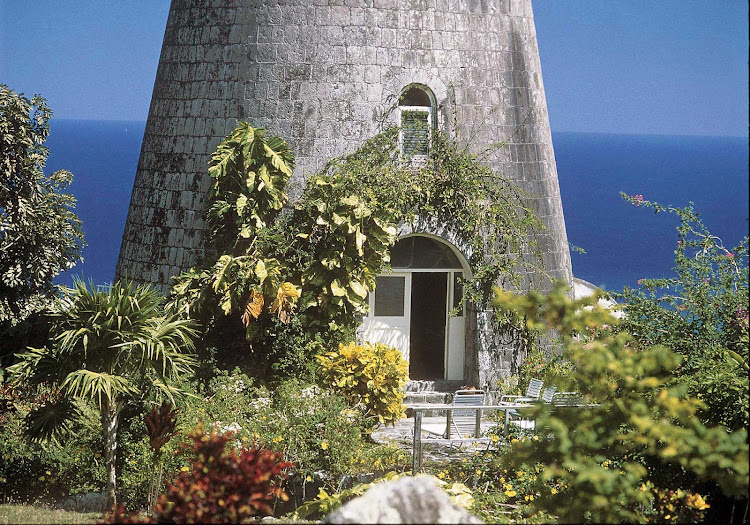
<point x="529" y="424"/>
<point x="532" y="393"/>
<point x="463" y="423"/>
<point x="567" y="399"/>
<point x="452" y="438"/>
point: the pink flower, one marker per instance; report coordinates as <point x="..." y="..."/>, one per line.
<point x="640" y="281"/>
<point x="638" y="199"/>
<point x="729" y="255"/>
<point x="680" y="244"/>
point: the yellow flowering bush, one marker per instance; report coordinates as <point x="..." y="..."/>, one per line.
<point x="370" y="377"/>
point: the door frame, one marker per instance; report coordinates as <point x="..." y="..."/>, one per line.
<point x="453" y="365"/>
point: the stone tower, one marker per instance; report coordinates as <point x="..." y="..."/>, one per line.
<point x="325" y="75"/>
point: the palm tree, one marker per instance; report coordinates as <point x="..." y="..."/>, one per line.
<point x="107" y="345"/>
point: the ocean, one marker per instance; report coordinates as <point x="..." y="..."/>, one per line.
<point x="623" y="243"/>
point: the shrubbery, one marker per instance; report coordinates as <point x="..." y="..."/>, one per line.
<point x="641" y="437"/>
<point x="370" y="377"/>
<point x="223" y="484"/>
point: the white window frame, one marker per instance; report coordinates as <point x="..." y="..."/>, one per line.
<point x="430" y="126"/>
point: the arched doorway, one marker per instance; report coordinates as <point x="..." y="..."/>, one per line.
<point x="417" y="307"/>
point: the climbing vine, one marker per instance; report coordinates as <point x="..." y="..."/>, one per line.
<point x="317" y="262"/>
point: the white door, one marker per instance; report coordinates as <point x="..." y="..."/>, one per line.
<point x="454" y="355"/>
<point x="390" y="312"/>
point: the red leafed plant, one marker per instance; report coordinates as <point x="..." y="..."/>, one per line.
<point x="161" y="425"/>
<point x="223" y="485"/>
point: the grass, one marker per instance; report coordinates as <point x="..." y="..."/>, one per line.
<point x="30" y="514"/>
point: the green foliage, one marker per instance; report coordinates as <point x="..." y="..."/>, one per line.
<point x="222" y="485"/>
<point x="250" y="174"/>
<point x="329" y="248"/>
<point x="370" y="377"/>
<point x="39" y="234"/>
<point x="30" y="470"/>
<point x="108" y="346"/>
<point x="554" y="370"/>
<point x="700" y="313"/>
<point x="640" y="424"/>
<point x="310" y="426"/>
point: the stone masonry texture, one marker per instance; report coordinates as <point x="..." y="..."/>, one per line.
<point x="325" y="75"/>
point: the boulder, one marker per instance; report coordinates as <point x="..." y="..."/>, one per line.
<point x="405" y="500"/>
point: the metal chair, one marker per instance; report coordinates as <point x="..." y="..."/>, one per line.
<point x="532" y="393"/>
<point x="529" y="424"/>
<point x="464" y="423"/>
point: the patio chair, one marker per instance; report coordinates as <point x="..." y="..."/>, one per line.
<point x="463" y="422"/>
<point x="532" y="393"/>
<point x="529" y="424"/>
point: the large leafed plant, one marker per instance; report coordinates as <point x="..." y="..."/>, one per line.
<point x="318" y="259"/>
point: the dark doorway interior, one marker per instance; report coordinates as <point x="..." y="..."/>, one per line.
<point x="427" y="331"/>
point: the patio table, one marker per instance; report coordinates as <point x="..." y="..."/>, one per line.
<point x="419" y="413"/>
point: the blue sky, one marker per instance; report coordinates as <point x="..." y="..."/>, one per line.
<point x="630" y="66"/>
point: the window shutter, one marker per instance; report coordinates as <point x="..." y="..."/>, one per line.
<point x="415" y="132"/>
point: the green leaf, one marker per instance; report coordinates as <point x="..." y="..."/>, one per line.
<point x="260" y="271"/>
<point x="337" y="289"/>
<point x="358" y="288"/>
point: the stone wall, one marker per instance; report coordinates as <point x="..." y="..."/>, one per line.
<point x="325" y="75"/>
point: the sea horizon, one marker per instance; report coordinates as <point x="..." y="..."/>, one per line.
<point x="622" y="243"/>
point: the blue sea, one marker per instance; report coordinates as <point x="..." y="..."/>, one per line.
<point x="623" y="243"/>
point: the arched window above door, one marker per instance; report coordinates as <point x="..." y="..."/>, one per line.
<point x="423" y="252"/>
<point x="417" y="119"/>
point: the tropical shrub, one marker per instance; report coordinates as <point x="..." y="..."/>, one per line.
<point x="223" y="484"/>
<point x="608" y="455"/>
<point x="40" y="236"/>
<point x="31" y="470"/>
<point x="700" y="313"/>
<point x="108" y="346"/>
<point x="370" y="377"/>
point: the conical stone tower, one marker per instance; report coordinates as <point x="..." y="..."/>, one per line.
<point x="325" y="75"/>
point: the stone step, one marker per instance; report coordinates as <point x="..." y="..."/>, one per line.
<point x="427" y="398"/>
<point x="437" y="385"/>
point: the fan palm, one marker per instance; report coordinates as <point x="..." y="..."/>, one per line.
<point x="107" y="345"/>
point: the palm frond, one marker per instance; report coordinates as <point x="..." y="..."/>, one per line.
<point x="96" y="386"/>
<point x="51" y="421"/>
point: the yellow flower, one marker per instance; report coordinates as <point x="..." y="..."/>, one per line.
<point x="184" y="469"/>
<point x="697" y="502"/>
<point x="494" y="438"/>
<point x="514" y="440"/>
<point x="535" y="438"/>
<point x="529" y="497"/>
<point x="48" y="472"/>
<point x="520" y="473"/>
<point x="502" y="480"/>
<point x="324" y="445"/>
<point x="510" y="493"/>
<point x="441" y="475"/>
<point x="554" y="490"/>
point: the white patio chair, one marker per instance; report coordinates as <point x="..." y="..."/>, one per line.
<point x="529" y="424"/>
<point x="532" y="393"/>
<point x="463" y="422"/>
